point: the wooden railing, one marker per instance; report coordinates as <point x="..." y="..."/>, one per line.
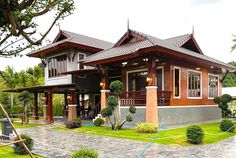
<point x="138" y="98"/>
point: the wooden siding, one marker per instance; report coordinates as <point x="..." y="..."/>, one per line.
<point x="168" y="85"/>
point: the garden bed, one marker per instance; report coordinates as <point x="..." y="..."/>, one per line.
<point x="169" y="137"/>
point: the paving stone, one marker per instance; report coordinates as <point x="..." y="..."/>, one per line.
<point x="60" y="144"/>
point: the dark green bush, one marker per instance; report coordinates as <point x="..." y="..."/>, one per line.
<point x="58" y="110"/>
<point x="132" y="109"/>
<point x="195" y="134"/>
<point x="227" y="126"/>
<point x="73" y="124"/>
<point x="85" y="153"/>
<point x="116" y="87"/>
<point x="19" y="149"/>
<point x="98" y="122"/>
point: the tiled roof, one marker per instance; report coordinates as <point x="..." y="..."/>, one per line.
<point x="171" y="43"/>
<point x="77" y="39"/>
<point x="88" y="41"/>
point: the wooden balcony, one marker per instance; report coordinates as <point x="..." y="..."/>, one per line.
<point x="138" y="98"/>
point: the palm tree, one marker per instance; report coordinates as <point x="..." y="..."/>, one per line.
<point x="24" y="97"/>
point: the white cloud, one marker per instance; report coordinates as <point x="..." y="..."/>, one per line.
<point x="107" y="19"/>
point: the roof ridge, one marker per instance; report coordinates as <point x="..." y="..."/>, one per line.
<point x="69" y="32"/>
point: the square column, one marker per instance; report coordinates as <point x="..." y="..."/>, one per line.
<point x="72" y="111"/>
<point x="104" y="94"/>
<point x="50" y="109"/>
<point x="151" y="105"/>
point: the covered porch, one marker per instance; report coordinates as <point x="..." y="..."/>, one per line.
<point x="75" y="103"/>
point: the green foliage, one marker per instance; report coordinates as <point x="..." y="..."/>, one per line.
<point x="107" y="112"/>
<point x="195" y="134"/>
<point x="230" y="79"/>
<point x="146" y="127"/>
<point x="223" y="104"/>
<point x="57" y="110"/>
<point x="18" y="147"/>
<point x="85" y="153"/>
<point x="116" y="87"/>
<point x="227" y="125"/>
<point x="19" y="22"/>
<point x="73" y="123"/>
<point x="112" y="102"/>
<point x="16" y="110"/>
<point x="24" y="96"/>
<point x="98" y="122"/>
<point x="132" y="109"/>
<point x="129" y="118"/>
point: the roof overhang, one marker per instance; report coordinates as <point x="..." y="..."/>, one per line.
<point x="166" y="52"/>
<point x="65" y="45"/>
<point x="44" y="88"/>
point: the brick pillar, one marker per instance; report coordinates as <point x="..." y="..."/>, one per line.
<point x="151" y="105"/>
<point x="72" y="112"/>
<point x="104" y="98"/>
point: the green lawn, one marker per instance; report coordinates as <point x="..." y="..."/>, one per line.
<point x="29" y="125"/>
<point x="7" y="152"/>
<point x="170" y="137"/>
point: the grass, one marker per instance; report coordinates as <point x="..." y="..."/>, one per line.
<point x="168" y="137"/>
<point x="8" y="152"/>
<point x="29" y="125"/>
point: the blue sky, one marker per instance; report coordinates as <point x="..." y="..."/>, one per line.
<point x="213" y="22"/>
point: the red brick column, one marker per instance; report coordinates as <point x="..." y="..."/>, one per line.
<point x="104" y="98"/>
<point x="72" y="112"/>
<point x="151" y="105"/>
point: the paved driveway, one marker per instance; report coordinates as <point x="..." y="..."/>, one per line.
<point x="59" y="144"/>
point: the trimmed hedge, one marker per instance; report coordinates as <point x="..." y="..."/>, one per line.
<point x="146" y="128"/>
<point x="85" y="153"/>
<point x="73" y="124"/>
<point x="227" y="125"/>
<point x="98" y="122"/>
<point x="195" y="134"/>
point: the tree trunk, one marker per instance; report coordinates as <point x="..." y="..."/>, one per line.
<point x="11" y="100"/>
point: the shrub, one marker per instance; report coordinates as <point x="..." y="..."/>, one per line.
<point x="227" y="126"/>
<point x="85" y="153"/>
<point x="16" y="110"/>
<point x="19" y="149"/>
<point x="98" y="122"/>
<point x="195" y="134"/>
<point x="73" y="123"/>
<point x="146" y="127"/>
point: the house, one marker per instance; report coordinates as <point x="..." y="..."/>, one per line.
<point x="170" y="81"/>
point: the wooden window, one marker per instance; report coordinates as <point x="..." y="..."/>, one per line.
<point x="176" y="82"/>
<point x="56" y="66"/>
<point x="213" y="86"/>
<point x="194" y="84"/>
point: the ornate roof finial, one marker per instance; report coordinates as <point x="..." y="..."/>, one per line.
<point x="193" y="30"/>
<point x="128" y="25"/>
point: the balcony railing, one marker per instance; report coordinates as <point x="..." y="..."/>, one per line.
<point x="138" y="98"/>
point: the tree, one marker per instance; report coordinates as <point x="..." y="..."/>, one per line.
<point x="113" y="108"/>
<point x="223" y="104"/>
<point x="25" y="98"/>
<point x="18" y="27"/>
<point x="230" y="79"/>
<point x="11" y="79"/>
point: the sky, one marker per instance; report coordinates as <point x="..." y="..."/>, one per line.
<point x="213" y="22"/>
